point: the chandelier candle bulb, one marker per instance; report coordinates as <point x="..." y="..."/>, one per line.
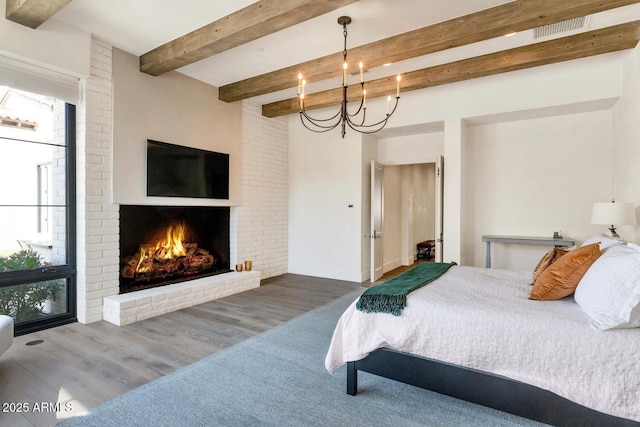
<point x="364" y="98"/>
<point x="388" y="103"/>
<point x="299" y="83"/>
<point x="398" y="87"/>
<point x="361" y="73"/>
<point x="344" y="79"/>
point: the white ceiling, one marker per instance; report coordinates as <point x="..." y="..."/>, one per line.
<point x="140" y="25"/>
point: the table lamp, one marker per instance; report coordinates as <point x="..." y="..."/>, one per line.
<point x="613" y="214"/>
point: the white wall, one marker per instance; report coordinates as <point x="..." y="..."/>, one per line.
<point x="541" y="91"/>
<point x="54" y="46"/>
<point x="534" y="177"/>
<point x="579" y="86"/>
<point x="325" y="176"/>
<point x="626" y="140"/>
<point x="453" y="230"/>
<point x="98" y="233"/>
<point x="582" y="85"/>
<point x="262" y="219"/>
<point x="170" y="108"/>
<point x="411" y="149"/>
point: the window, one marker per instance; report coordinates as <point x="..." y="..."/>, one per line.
<point x="37" y="210"/>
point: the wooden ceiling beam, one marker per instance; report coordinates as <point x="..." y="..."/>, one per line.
<point x="610" y="39"/>
<point x="483" y="25"/>
<point x="33" y="13"/>
<point x="256" y="20"/>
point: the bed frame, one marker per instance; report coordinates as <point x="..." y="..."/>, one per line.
<point x="479" y="387"/>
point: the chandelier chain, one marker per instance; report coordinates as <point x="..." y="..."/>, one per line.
<point x="344" y="51"/>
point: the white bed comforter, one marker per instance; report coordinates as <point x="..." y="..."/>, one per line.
<point x="482" y="319"/>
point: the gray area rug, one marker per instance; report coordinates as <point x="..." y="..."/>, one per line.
<point x="278" y="379"/>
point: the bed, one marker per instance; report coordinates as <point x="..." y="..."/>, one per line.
<point x="474" y="334"/>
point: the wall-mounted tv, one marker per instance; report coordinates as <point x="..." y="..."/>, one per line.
<point x="178" y="171"/>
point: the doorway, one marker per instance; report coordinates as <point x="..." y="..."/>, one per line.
<point x="409" y="212"/>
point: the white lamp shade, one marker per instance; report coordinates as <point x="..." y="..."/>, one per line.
<point x="613" y="213"/>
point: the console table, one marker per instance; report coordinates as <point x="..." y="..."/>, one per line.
<point x="524" y="240"/>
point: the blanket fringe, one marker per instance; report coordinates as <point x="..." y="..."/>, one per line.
<point x="391" y="296"/>
<point x="392" y="304"/>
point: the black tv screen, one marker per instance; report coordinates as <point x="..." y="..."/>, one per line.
<point x="178" y="171"/>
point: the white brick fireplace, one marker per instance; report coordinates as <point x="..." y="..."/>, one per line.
<point x="258" y="226"/>
<point x="135" y="306"/>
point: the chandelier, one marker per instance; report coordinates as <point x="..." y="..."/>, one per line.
<point x="343" y="117"/>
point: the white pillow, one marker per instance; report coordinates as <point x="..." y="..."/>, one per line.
<point x="609" y="292"/>
<point x="633" y="246"/>
<point x="605" y="241"/>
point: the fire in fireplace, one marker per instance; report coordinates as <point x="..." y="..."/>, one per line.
<point x="167" y="258"/>
<point x="163" y="245"/>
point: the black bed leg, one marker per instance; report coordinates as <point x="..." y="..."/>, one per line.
<point x="352" y="378"/>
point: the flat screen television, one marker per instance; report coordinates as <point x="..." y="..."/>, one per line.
<point x="178" y="171"/>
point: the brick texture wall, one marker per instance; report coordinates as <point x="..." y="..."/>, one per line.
<point x="98" y="233"/>
<point x="261" y="221"/>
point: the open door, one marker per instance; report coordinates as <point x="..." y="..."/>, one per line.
<point x="377" y="211"/>
<point x="439" y="206"/>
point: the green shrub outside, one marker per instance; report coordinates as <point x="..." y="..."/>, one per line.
<point x="25" y="301"/>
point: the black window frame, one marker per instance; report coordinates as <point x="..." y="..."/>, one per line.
<point x="68" y="270"/>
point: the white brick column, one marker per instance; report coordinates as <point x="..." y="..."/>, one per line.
<point x="97" y="228"/>
<point x="261" y="222"/>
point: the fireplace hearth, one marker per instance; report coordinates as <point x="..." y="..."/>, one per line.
<point x="161" y="245"/>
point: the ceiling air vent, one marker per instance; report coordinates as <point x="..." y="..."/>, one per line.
<point x="574" y="24"/>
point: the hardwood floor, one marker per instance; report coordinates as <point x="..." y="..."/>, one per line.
<point x="78" y="366"/>
<point x="393" y="273"/>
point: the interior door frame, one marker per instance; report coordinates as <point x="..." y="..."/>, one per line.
<point x="377" y="221"/>
<point x="438" y="163"/>
<point x="439" y="208"/>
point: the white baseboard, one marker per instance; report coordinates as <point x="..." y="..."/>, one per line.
<point x="392" y="265"/>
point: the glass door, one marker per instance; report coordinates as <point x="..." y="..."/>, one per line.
<point x="37" y="210"/>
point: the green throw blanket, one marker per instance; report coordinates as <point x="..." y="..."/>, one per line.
<point x="391" y="296"/>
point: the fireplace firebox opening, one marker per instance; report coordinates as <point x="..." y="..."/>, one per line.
<point x="161" y="245"/>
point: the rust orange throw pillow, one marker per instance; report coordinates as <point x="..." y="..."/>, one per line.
<point x="561" y="278"/>
<point x="549" y="258"/>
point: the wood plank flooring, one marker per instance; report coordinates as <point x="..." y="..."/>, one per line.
<point x="80" y="366"/>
